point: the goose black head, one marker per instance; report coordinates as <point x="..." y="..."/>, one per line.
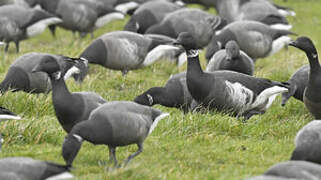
<point x="305" y="44"/>
<point x="232" y="50"/>
<point x="145" y="99"/>
<point x="187" y="41"/>
<point x="71" y="147"/>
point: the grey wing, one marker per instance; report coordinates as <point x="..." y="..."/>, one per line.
<point x="92" y="97"/>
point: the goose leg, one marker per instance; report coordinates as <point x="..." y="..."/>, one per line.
<point x="17" y="46"/>
<point x="52" y="29"/>
<point x="112" y="155"/>
<point x="124" y="72"/>
<point x="6" y="47"/>
<point x="140" y="149"/>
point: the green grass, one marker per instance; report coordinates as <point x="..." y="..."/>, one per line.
<point x="191" y="146"/>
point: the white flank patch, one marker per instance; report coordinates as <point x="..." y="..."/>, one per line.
<point x="182" y="58"/>
<point x="2" y="43"/>
<point x="108" y="18"/>
<point x="268" y="94"/>
<point x="158" y="118"/>
<point x="281" y="26"/>
<point x="41" y="25"/>
<point x="1" y="140"/>
<point x="65" y="175"/>
<point x="159" y="52"/>
<point x="5" y="117"/>
<point x="124" y="8"/>
<point x="239" y="95"/>
<point x="180" y="3"/>
<point x="71" y="71"/>
<point x="279" y="43"/>
<point x="286" y="12"/>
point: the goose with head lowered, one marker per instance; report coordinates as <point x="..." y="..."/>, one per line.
<point x="312" y="95"/>
<point x="124" y="50"/>
<point x="173" y="94"/>
<point x="18" y="168"/>
<point x="116" y="123"/>
<point x="254" y="38"/>
<point x="298" y="83"/>
<point x="5" y="115"/>
<point x="229" y="91"/>
<point x="20" y="77"/>
<point x="70" y="108"/>
<point x="231" y="58"/>
<point x="18" y="23"/>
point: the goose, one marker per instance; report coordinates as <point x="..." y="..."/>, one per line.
<point x="20" y="77"/>
<point x="195" y="21"/>
<point x="241" y="94"/>
<point x="311" y="96"/>
<point x="148" y="14"/>
<point x="17" y="168"/>
<point x="255" y="10"/>
<point x="291" y="170"/>
<point x="173" y="94"/>
<point x="17" y="2"/>
<point x="81" y="16"/>
<point x="124" y="50"/>
<point x="254" y="38"/>
<point x="308" y="143"/>
<point x="70" y="108"/>
<point x="18" y="23"/>
<point x="6" y="114"/>
<point x="115" y="123"/>
<point x="231" y="58"/>
<point x="298" y="83"/>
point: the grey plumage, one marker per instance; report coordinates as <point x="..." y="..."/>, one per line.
<point x="81" y="16"/>
<point x="148" y="14"/>
<point x="20" y="77"/>
<point x="17" y="168"/>
<point x="231" y="58"/>
<point x="308" y="143"/>
<point x="200" y="24"/>
<point x="124" y="50"/>
<point x="312" y="95"/>
<point x="298" y="83"/>
<point x="116" y="123"/>
<point x="254" y="38"/>
<point x="18" y="23"/>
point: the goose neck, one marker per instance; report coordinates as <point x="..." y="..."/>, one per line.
<point x="314" y="62"/>
<point x="193" y="64"/>
<point x="59" y="89"/>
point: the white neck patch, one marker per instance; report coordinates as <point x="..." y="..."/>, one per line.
<point x="79" y="138"/>
<point x="57" y="75"/>
<point x="150" y="99"/>
<point x="192" y="53"/>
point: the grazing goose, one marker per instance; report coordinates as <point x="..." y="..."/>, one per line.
<point x="116" y="123"/>
<point x="231" y="58"/>
<point x="298" y="83"/>
<point x="18" y="168"/>
<point x="5" y="114"/>
<point x="21" y="78"/>
<point x="124" y="50"/>
<point x="173" y="94"/>
<point x="70" y="108"/>
<point x="195" y="21"/>
<point x="308" y="143"/>
<point x="81" y="16"/>
<point x="312" y="95"/>
<point x="18" y="23"/>
<point x="291" y="170"/>
<point x="254" y="38"/>
<point x="148" y="14"/>
<point x="229" y="91"/>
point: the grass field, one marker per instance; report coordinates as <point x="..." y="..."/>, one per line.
<point x="190" y="146"/>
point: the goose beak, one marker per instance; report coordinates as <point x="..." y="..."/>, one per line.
<point x="293" y="43"/>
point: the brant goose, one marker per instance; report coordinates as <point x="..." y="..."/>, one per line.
<point x="70" y="108"/>
<point x="231" y="58"/>
<point x="116" y="123"/>
<point x="241" y="94"/>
